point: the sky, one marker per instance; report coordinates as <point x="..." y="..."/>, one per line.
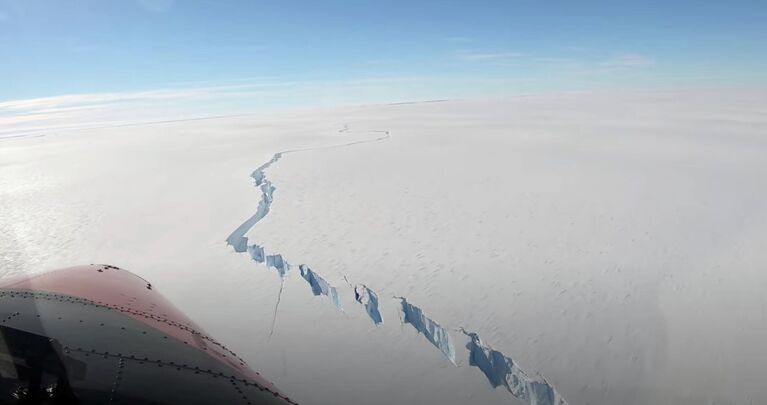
<point x="218" y="56"/>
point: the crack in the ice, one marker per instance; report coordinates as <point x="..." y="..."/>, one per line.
<point x="369" y="299"/>
<point x="278" y="263"/>
<point x="276" y="307"/>
<point x="434" y="333"/>
<point x="239" y="241"/>
<point x="256" y="253"/>
<point x="499" y="369"/>
<point x="502" y="370"/>
<point x="319" y="285"/>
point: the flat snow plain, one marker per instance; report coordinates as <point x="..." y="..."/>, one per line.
<point x="613" y="242"/>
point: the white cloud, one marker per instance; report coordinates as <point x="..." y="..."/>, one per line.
<point x="82" y="110"/>
<point x="117" y="108"/>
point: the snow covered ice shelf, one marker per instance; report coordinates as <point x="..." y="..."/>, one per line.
<point x="609" y="241"/>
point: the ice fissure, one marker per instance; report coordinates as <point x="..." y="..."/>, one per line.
<point x="319" y="285"/>
<point x="239" y="242"/>
<point x="434" y="333"/>
<point x="369" y="299"/>
<point x="503" y="371"/>
<point x="499" y="369"/>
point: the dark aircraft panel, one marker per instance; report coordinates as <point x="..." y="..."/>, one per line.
<point x="99" y="334"/>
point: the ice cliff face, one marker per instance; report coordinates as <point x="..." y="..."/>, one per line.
<point x="256" y="253"/>
<point x="319" y="285"/>
<point x="433" y="332"/>
<point x="502" y="370"/>
<point x="369" y="300"/>
<point x="278" y="263"/>
<point x="237" y="239"/>
<point x="499" y="369"/>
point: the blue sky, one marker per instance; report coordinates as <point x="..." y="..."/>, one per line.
<point x="253" y="53"/>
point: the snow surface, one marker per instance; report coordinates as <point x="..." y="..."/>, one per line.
<point x="609" y="243"/>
